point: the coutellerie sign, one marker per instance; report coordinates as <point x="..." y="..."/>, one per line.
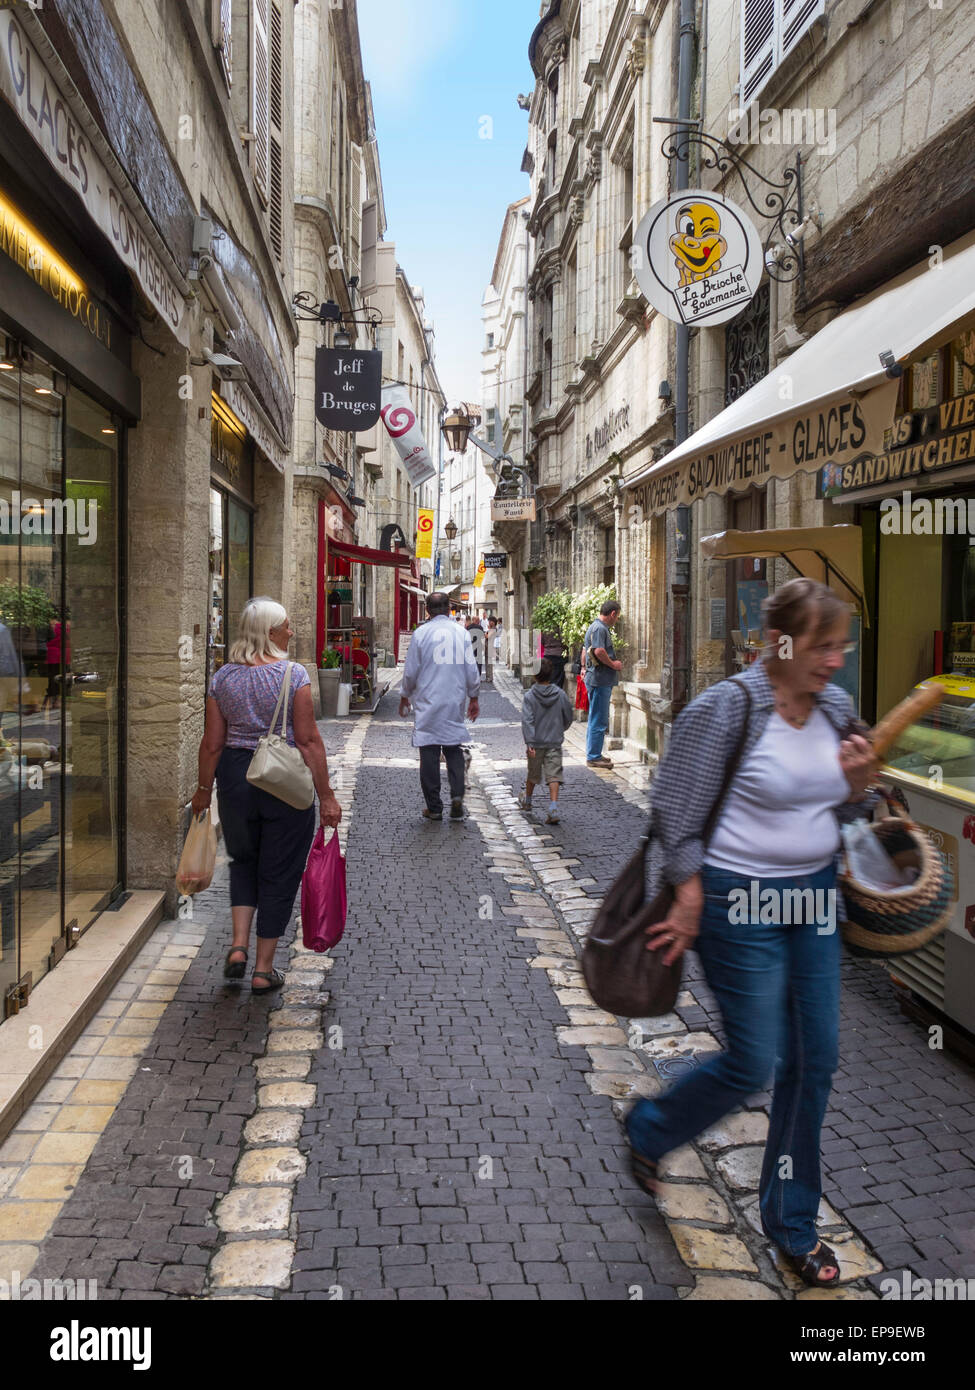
<point x="916" y="445"/>
<point x="841" y="433"/>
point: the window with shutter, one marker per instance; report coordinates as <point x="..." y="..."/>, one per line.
<point x="369" y="271"/>
<point x="797" y="15"/>
<point x="770" y="31"/>
<point x="222" y="30"/>
<point x="757" y="46"/>
<point x="260" y="145"/>
<point x="355" y="209"/>
<point x="275" y="132"/>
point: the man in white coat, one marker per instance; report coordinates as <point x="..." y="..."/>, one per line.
<point x="440" y="676"/>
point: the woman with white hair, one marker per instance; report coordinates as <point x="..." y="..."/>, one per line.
<point x="268" y="840"/>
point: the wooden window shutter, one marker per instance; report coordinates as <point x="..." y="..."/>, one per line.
<point x="355" y="209"/>
<point x="275" y="132"/>
<point x="757" y="46"/>
<point x="369" y="272"/>
<point x="797" y="16"/>
<point x="260" y="145"/>
<point x="222" y="32"/>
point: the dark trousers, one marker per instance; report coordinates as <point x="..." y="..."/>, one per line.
<point x="268" y="843"/>
<point x="430" y="774"/>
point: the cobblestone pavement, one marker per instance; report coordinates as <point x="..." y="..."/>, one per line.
<point x="443" y="1120"/>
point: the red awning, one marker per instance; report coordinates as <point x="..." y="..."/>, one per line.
<point x="363" y="555"/>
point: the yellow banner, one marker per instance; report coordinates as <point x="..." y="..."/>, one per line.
<point x="479" y="577"/>
<point x="424" y="535"/>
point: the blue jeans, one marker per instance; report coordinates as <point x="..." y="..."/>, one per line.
<point x="778" y="987"/>
<point x="599" y="698"/>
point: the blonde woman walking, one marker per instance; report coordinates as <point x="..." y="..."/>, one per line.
<point x="267" y="840"/>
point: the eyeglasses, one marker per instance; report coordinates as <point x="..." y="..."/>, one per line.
<point x="834" y="649"/>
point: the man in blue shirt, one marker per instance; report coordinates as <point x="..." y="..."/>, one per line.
<point x="602" y="674"/>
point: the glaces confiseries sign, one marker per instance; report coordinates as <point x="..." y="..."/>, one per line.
<point x="48" y="114"/>
<point x="700" y="258"/>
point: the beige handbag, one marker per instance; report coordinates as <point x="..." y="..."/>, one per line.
<point x="278" y="768"/>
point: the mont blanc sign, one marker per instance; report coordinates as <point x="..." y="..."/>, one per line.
<point x="701" y="260"/>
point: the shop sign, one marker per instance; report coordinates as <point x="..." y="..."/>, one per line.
<point x="840" y="433"/>
<point x="404" y="430"/>
<point x="615" y="423"/>
<point x="496" y="561"/>
<point x="424" y="534"/>
<point x="917" y="445"/>
<point x="28" y="249"/>
<point x="348" y="387"/>
<point x="513" y="509"/>
<point x="48" y="116"/>
<point x="239" y="398"/>
<point x="700" y="258"/>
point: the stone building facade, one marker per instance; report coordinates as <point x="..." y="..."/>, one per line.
<point x="503" y="384"/>
<point x="871" y="105"/>
<point x="148" y="326"/>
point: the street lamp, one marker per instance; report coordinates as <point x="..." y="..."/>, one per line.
<point x="450" y="531"/>
<point x="457" y="428"/>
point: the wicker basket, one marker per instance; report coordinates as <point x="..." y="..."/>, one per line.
<point x="894" y="924"/>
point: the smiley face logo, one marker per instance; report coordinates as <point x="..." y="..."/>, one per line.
<point x="697" y="244"/>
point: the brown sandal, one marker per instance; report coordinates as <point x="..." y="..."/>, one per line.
<point x="274" y="976"/>
<point x="808" y="1266"/>
<point x="234" y="969"/>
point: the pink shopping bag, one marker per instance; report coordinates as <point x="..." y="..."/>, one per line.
<point x="323" y="900"/>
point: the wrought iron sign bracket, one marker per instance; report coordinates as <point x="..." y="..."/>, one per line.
<point x="306" y="307"/>
<point x="780" y="204"/>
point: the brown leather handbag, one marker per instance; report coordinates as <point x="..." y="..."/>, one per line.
<point x="622" y="976"/>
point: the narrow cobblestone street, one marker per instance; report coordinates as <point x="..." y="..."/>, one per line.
<point x="434" y="1113"/>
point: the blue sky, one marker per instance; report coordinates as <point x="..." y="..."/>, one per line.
<point x="438" y="68"/>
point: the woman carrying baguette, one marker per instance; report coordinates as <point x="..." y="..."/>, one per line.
<point x="267" y="840"/>
<point x="776" y="978"/>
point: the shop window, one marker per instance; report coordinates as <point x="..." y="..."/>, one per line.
<point x="60" y="665"/>
<point x="770" y="30"/>
<point x="746" y="582"/>
<point x="747" y="347"/>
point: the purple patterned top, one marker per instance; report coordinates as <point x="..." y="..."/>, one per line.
<point x="247" y="696"/>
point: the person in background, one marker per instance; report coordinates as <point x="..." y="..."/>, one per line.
<point x="497" y="642"/>
<point x="267" y="840"/>
<point x="545" y="715"/>
<point x="775" y="975"/>
<point x="476" y="633"/>
<point x="440" y="675"/>
<point x="554" y="651"/>
<point x="602" y="674"/>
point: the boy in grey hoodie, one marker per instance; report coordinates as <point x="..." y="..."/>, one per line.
<point x="545" y="716"/>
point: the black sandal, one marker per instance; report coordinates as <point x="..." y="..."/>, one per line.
<point x="275" y="977"/>
<point x="644" y="1172"/>
<point x="808" y="1266"/>
<point x="234" y="970"/>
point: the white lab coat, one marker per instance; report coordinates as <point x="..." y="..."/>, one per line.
<point x="439" y="678"/>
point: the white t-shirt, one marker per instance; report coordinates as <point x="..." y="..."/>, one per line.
<point x="778" y="819"/>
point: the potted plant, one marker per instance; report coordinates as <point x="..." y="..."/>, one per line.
<point x="329" y="677"/>
<point x="28" y="612"/>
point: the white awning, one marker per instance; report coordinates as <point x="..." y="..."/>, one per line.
<point x="833" y="555"/>
<point x="830" y="401"/>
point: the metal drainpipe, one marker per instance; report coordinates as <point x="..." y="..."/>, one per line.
<point x="680" y="587"/>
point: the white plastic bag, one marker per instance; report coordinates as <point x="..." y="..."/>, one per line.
<point x="869" y="863"/>
<point x="199" y="857"/>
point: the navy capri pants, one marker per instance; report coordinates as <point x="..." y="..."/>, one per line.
<point x="268" y="843"/>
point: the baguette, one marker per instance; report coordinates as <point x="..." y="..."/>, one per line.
<point x="902" y="716"/>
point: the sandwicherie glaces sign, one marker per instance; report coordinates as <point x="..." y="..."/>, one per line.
<point x="699" y="258"/>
